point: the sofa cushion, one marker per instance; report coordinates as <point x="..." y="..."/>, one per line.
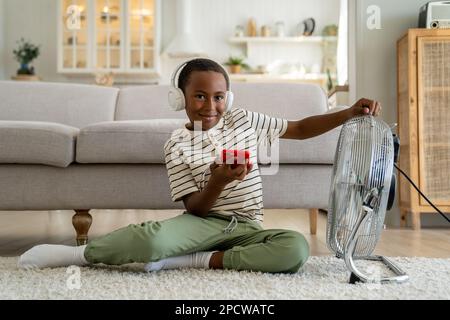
<point x="145" y="102"/>
<point x="75" y="105"/>
<point x="288" y="100"/>
<point x="291" y="101"/>
<point x="33" y="142"/>
<point x="133" y="141"/>
<point x="317" y="150"/>
<point x="142" y="141"/>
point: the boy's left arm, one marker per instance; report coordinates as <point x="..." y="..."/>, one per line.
<point x="317" y="125"/>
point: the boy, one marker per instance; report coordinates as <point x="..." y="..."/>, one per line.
<point x="221" y="226"/>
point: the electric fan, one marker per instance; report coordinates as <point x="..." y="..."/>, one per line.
<point x="362" y="188"/>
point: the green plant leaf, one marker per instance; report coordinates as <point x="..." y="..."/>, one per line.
<point x="233" y="61"/>
<point x="26" y="52"/>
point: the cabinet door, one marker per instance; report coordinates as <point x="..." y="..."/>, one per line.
<point x="141" y="46"/>
<point x="73" y="35"/>
<point x="108" y="47"/>
<point x="108" y="35"/>
<point x="434" y="118"/>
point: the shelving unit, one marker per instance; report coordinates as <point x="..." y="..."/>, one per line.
<point x="259" y="48"/>
<point x="320" y="79"/>
<point x="120" y="36"/>
<point x="313" y="39"/>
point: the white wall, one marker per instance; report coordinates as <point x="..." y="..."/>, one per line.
<point x="376" y="65"/>
<point x="2" y="40"/>
<point x="213" y="22"/>
<point x="35" y="21"/>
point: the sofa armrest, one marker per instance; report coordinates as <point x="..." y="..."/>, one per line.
<point x="32" y="142"/>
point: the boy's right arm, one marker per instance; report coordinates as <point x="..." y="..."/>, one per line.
<point x="200" y="203"/>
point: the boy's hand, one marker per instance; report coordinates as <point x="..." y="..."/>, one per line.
<point x="365" y="106"/>
<point x="223" y="174"/>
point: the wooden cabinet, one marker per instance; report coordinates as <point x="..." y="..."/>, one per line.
<point x="423" y="91"/>
<point x="120" y="36"/>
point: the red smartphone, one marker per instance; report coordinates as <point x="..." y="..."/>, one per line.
<point x="235" y="157"/>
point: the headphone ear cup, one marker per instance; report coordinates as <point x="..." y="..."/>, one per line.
<point x="176" y="99"/>
<point x="229" y="101"/>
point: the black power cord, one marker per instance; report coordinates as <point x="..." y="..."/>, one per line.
<point x="418" y="190"/>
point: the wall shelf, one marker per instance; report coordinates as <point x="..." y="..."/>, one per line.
<point x="317" y="78"/>
<point x="285" y="55"/>
<point x="310" y="39"/>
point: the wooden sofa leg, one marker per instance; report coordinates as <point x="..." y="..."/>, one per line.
<point x="82" y="221"/>
<point x="313" y="213"/>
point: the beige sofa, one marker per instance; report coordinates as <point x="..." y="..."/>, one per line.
<point x="82" y="147"/>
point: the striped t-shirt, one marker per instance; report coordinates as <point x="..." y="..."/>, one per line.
<point x="189" y="154"/>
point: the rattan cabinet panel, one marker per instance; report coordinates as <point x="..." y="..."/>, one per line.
<point x="423" y="91"/>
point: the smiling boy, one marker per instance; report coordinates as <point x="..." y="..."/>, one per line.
<point x="221" y="227"/>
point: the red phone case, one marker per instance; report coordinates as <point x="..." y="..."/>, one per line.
<point x="235" y="157"/>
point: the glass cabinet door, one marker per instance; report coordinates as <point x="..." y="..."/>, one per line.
<point x="108" y="34"/>
<point x="74" y="34"/>
<point x="141" y="35"/>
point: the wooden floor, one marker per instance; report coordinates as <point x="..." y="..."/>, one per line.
<point x="21" y="230"/>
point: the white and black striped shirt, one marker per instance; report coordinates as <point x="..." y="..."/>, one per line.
<point x="188" y="155"/>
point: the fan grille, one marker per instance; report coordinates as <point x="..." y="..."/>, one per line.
<point x="363" y="161"/>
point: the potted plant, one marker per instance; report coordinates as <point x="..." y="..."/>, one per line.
<point x="24" y="54"/>
<point x="236" y="64"/>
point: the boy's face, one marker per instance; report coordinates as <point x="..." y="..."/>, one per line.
<point x="205" y="98"/>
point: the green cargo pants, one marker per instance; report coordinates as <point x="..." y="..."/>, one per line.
<point x="246" y="245"/>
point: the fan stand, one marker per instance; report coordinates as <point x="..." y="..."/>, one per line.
<point x="400" y="277"/>
<point x="356" y="275"/>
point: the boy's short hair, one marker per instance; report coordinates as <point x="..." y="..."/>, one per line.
<point x="200" y="64"/>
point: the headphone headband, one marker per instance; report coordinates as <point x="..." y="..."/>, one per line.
<point x="173" y="79"/>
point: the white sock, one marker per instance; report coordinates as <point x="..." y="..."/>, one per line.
<point x="51" y="256"/>
<point x="193" y="260"/>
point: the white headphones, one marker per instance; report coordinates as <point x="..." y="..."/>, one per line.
<point x="176" y="96"/>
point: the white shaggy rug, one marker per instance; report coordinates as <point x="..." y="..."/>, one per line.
<point x="321" y="278"/>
